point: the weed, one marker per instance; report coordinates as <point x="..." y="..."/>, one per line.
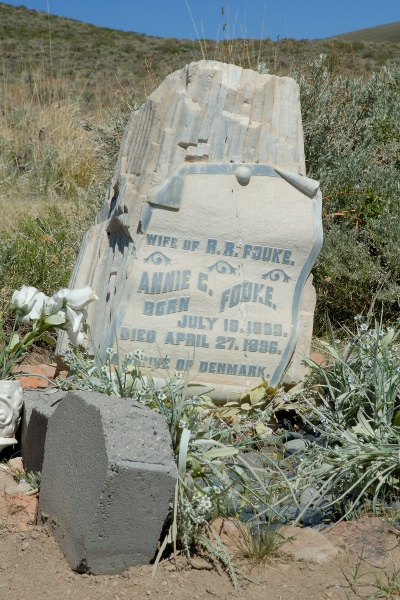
<point x="388" y="583"/>
<point x="31" y="477"/>
<point x="258" y="544"/>
<point x="370" y="586"/>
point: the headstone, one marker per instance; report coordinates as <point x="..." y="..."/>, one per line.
<point x="202" y="252"/>
<point x="107" y="480"/>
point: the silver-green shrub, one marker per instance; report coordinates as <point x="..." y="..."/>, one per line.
<point x="354" y="403"/>
<point x="352" y="144"/>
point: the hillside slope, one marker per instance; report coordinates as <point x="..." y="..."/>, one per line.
<point x="381" y="33"/>
<point x="90" y="59"/>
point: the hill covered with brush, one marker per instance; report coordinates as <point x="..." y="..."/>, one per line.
<point x="91" y="57"/>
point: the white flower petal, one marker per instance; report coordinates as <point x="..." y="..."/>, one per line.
<point x="37" y="308"/>
<point x="53" y="305"/>
<point x="23" y="300"/>
<point x="74" y="319"/>
<point x="79" y="298"/>
<point x="76" y="337"/>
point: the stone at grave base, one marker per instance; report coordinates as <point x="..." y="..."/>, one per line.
<point x="230" y="532"/>
<point x="18" y="511"/>
<point x="18" y="501"/>
<point x="308" y="545"/>
<point x="39" y="375"/>
<point x="371" y="538"/>
<point x="108" y="477"/>
<point x="37" y="409"/>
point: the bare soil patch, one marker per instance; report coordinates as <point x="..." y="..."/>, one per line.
<point x="33" y="567"/>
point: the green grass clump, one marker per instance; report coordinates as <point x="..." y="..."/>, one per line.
<point x="39" y="251"/>
<point x="257" y="544"/>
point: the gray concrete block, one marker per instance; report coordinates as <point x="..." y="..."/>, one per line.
<point x="37" y="409"/>
<point x="107" y="479"/>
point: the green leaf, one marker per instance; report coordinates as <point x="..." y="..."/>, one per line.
<point x="221" y="452"/>
<point x="231" y="413"/>
<point x="262" y="430"/>
<point x="385" y="341"/>
<point x="332" y="351"/>
<point x="49" y="340"/>
<point x="196" y="465"/>
<point x="246" y="406"/>
<point x="396" y="420"/>
<point x="13" y="342"/>
<point x="363" y="427"/>
<point x="183" y="450"/>
<point x="56" y="319"/>
<point x="256" y="395"/>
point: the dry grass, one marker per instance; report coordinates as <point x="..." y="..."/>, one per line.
<point x="46" y="155"/>
<point x="93" y="60"/>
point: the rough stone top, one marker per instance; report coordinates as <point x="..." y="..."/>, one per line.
<point x="213" y="112"/>
<point x="132" y="432"/>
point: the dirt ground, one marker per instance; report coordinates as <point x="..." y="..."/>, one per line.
<point x="33" y="567"/>
<point x="356" y="559"/>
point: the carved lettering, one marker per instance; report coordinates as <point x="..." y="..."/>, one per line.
<point x="247" y="292"/>
<point x="166" y="307"/>
<point x="162" y="282"/>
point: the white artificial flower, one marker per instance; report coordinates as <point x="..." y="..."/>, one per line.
<point x="36" y="311"/>
<point x="75" y="299"/>
<point x="74" y="319"/>
<point x="53" y="306"/>
<point x="23" y="300"/>
<point x="28" y="303"/>
<point x="76" y="337"/>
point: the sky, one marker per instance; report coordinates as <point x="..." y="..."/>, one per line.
<point x="191" y="19"/>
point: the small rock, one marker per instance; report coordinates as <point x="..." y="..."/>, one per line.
<point x="312" y="516"/>
<point x="16" y="463"/>
<point x="309" y="545"/>
<point x="321" y="526"/>
<point x="308" y="496"/>
<point x="19" y="488"/>
<point x="200" y="564"/>
<point x="25" y="546"/>
<point x="311" y="438"/>
<point x="294" y="447"/>
<point x="39" y="375"/>
<point x="291" y="435"/>
<point x="19" y="510"/>
<point x="230" y="531"/>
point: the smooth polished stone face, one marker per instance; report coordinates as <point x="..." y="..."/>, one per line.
<point x="202" y="252"/>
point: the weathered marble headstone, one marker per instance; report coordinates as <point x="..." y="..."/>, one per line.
<point x="202" y="252"/>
